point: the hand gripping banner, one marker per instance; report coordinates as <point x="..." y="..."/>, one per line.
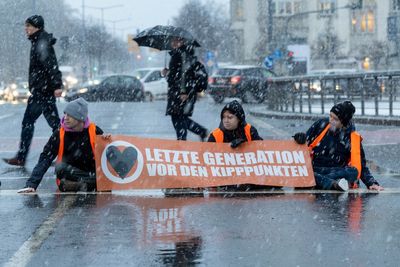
<point x="127" y="162"/>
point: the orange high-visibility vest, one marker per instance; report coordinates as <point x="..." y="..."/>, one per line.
<point x="355" y="150"/>
<point x="219" y="134"/>
<point x="92" y="139"/>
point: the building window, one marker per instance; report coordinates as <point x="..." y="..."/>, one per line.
<point x="368" y="22"/>
<point x="237" y="10"/>
<point x="363" y="22"/>
<point x="286" y="7"/>
<point x="327" y="7"/>
<point x="396" y="5"/>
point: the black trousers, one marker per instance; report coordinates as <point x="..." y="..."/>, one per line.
<point x="36" y="106"/>
<point x="71" y="173"/>
<point x="183" y="123"/>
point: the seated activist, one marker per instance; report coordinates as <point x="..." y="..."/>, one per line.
<point x="337" y="154"/>
<point x="234" y="129"/>
<point x="73" y="145"/>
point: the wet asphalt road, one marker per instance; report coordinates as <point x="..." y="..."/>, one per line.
<point x="287" y="228"/>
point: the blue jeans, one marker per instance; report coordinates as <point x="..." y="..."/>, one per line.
<point x="326" y="176"/>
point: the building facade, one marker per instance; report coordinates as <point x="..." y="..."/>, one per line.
<point x="340" y="33"/>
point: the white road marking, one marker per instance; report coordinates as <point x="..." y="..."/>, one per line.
<point x="6" y="116"/>
<point x="157" y="193"/>
<point x="30" y="246"/>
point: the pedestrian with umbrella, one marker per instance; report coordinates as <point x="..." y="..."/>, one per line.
<point x="186" y="76"/>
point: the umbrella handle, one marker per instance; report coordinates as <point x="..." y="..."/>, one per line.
<point x="165" y="59"/>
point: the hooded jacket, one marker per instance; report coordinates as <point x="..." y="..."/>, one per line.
<point x="235" y="108"/>
<point x="77" y="152"/>
<point x="44" y="75"/>
<point x="334" y="149"/>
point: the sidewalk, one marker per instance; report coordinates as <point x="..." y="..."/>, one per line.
<point x="316" y="113"/>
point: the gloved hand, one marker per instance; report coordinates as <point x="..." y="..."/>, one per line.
<point x="235" y="143"/>
<point x="300" y="138"/>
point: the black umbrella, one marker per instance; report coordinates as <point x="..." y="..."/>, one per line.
<point x="159" y="37"/>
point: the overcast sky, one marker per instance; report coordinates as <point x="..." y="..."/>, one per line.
<point x="134" y="14"/>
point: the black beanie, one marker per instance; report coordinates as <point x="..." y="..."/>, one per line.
<point x="235" y="108"/>
<point x="345" y="111"/>
<point x="36" y="21"/>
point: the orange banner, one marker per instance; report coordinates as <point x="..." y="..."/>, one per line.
<point x="128" y="162"/>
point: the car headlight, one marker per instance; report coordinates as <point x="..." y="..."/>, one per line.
<point x="83" y="90"/>
<point x="13" y="86"/>
<point x="71" y="80"/>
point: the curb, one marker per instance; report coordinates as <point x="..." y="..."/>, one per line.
<point x="388" y="121"/>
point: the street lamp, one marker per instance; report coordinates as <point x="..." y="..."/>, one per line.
<point x="116" y="21"/>
<point x="102" y="10"/>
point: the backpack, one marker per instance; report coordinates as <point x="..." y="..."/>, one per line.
<point x="199" y="77"/>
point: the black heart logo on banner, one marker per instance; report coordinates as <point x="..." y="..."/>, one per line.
<point x="122" y="162"/>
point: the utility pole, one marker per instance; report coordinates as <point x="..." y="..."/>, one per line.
<point x="116" y="21"/>
<point x="102" y="23"/>
<point x="270" y="26"/>
<point x="102" y="11"/>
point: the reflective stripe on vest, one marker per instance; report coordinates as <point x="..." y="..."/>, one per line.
<point x="355" y="150"/>
<point x="219" y="134"/>
<point x="92" y="139"/>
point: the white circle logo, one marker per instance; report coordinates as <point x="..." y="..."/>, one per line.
<point x="121" y="162"/>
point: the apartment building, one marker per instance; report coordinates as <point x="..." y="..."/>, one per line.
<point x="338" y="33"/>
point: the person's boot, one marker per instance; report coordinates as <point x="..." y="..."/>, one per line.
<point x="69" y="186"/>
<point x="15" y="162"/>
<point x="341" y="185"/>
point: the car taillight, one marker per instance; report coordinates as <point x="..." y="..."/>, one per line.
<point x="235" y="79"/>
<point x="211" y="80"/>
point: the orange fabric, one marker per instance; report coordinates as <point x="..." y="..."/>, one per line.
<point x="247" y="132"/>
<point x="151" y="163"/>
<point x="355" y="154"/>
<point x="319" y="137"/>
<point x="219" y="134"/>
<point x="355" y="151"/>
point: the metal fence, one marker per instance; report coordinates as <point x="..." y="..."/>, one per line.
<point x="373" y="93"/>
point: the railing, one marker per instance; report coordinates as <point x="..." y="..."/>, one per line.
<point x="373" y="93"/>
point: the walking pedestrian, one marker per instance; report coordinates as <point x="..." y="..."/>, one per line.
<point x="337" y="153"/>
<point x="73" y="145"/>
<point x="186" y="76"/>
<point x="45" y="84"/>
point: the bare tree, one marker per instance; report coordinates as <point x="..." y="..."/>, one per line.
<point x="328" y="46"/>
<point x="208" y="24"/>
<point x="377" y="52"/>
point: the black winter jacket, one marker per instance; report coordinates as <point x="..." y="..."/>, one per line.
<point x="235" y="108"/>
<point x="77" y="152"/>
<point x="334" y="149"/>
<point x="44" y="75"/>
<point x="182" y="79"/>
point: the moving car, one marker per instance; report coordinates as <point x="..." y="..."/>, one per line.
<point x="114" y="88"/>
<point x="17" y="91"/>
<point x="155" y="86"/>
<point x="246" y="82"/>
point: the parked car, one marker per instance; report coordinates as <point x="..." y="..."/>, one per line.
<point x="17" y="91"/>
<point x="155" y="86"/>
<point x="114" y="88"/>
<point x="246" y="82"/>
